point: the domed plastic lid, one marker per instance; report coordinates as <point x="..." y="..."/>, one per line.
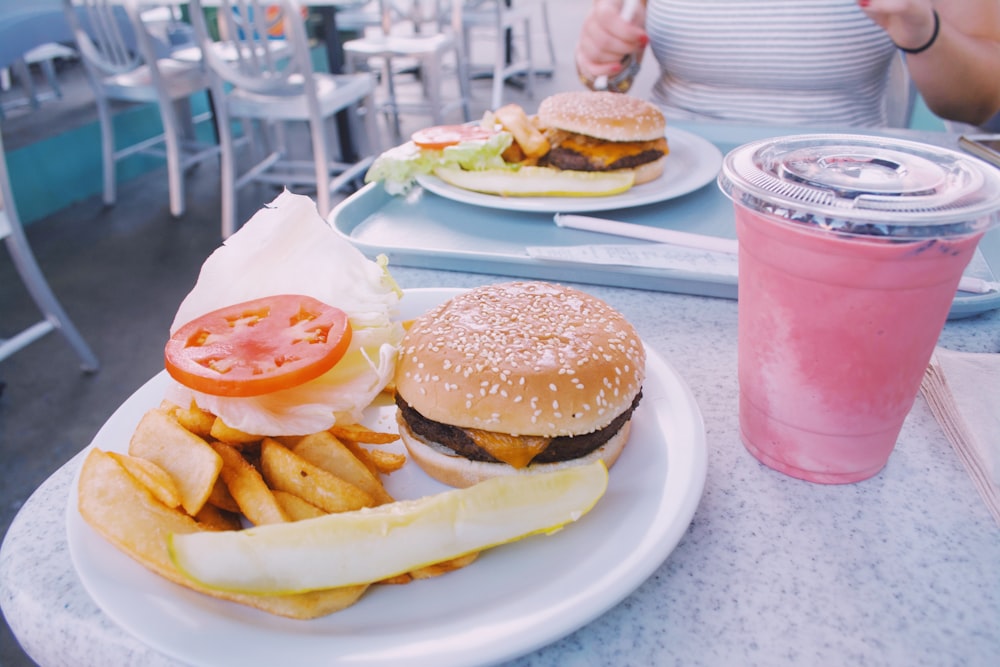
<point x="864" y="185"/>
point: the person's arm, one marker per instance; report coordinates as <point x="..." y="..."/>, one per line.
<point x="958" y="74"/>
<point x="606" y="38"/>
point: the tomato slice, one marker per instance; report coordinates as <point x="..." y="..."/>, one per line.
<point x="258" y="347"/>
<point x="442" y="136"/>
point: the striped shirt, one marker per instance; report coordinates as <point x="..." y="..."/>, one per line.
<point x="793" y="62"/>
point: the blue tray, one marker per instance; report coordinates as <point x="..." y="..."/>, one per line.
<point x="426" y="230"/>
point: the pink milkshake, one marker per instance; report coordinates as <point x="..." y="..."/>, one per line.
<point x="851" y="249"/>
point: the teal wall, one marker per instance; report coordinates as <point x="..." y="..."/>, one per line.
<point x="57" y="171"/>
<point x="52" y="174"/>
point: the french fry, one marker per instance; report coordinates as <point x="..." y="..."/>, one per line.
<point x="361" y="454"/>
<point x="286" y="471"/>
<point x="386" y="462"/>
<point x="429" y="571"/>
<point x="189" y="460"/>
<point x="232" y="436"/>
<point x="118" y="507"/>
<point x="221" y="498"/>
<point x="295" y="508"/>
<point x="248" y="489"/>
<point x="362" y="434"/>
<point x="444" y="567"/>
<point x="325" y="451"/>
<point x="153" y="477"/>
<point x="195" y="420"/>
<point x="212" y="518"/>
<point x="532" y="142"/>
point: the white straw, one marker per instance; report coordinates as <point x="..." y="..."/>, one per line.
<point x="658" y="234"/>
<point x="704" y="242"/>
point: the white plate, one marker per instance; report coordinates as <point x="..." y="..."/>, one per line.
<point x="692" y="163"/>
<point x="512" y="600"/>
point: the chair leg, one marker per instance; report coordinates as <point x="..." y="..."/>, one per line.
<point x="393" y="103"/>
<point x="464" y="86"/>
<point x="499" y="73"/>
<point x="175" y="166"/>
<point x="50" y="75"/>
<point x="107" y="150"/>
<point x="431" y="71"/>
<point x="321" y="164"/>
<point x="547" y="27"/>
<point x="530" y="60"/>
<point x="23" y="72"/>
<point x="38" y="287"/>
<point x="227" y="169"/>
<point x="374" y="144"/>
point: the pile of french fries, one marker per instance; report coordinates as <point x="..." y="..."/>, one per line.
<point x="222" y="474"/>
<point x="530" y="143"/>
<point x="187" y="471"/>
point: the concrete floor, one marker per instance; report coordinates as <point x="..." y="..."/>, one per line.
<point x="120" y="273"/>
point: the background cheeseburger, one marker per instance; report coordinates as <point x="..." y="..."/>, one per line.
<point x="603" y="131"/>
<point x="517" y="377"/>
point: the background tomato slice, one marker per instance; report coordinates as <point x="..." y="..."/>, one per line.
<point x="258" y="347"/>
<point x="442" y="136"/>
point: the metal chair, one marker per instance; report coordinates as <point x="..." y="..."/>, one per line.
<point x="510" y="25"/>
<point x="54" y="317"/>
<point x="424" y="41"/>
<point x="250" y="83"/>
<point x="31" y="36"/>
<point x="124" y="64"/>
<point x="44" y="56"/>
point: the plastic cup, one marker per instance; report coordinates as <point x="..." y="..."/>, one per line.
<point x="850" y="253"/>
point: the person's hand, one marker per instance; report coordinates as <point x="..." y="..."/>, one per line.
<point x="909" y="23"/>
<point x="606" y="38"/>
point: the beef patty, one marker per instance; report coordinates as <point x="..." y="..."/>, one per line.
<point x="566" y="158"/>
<point x="562" y="448"/>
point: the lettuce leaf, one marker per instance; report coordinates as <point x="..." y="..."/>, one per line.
<point x="287" y="248"/>
<point x="398" y="167"/>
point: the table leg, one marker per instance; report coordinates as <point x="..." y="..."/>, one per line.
<point x="335" y="59"/>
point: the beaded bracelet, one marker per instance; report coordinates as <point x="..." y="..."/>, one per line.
<point x="930" y="42"/>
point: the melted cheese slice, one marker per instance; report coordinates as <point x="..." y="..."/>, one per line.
<point x="514" y="450"/>
<point x="609" y="152"/>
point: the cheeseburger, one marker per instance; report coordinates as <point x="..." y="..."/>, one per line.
<point x="518" y="377"/>
<point x="604" y="131"/>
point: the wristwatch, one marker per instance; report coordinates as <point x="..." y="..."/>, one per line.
<point x="618" y="82"/>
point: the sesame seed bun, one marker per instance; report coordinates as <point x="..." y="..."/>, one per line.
<point x="603" y="115"/>
<point x="521" y="358"/>
<point x="650" y="171"/>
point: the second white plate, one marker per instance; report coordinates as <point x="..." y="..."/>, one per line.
<point x="512" y="600"/>
<point x="692" y="163"/>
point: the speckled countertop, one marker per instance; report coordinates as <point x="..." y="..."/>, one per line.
<point x="901" y="569"/>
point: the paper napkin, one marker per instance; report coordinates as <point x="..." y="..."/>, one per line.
<point x="963" y="391"/>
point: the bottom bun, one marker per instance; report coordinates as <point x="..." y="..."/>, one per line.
<point x="448" y="468"/>
<point x="650" y="171"/>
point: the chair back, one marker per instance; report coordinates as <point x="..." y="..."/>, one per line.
<point x="246" y="56"/>
<point x="419" y="17"/>
<point x="104" y="36"/>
